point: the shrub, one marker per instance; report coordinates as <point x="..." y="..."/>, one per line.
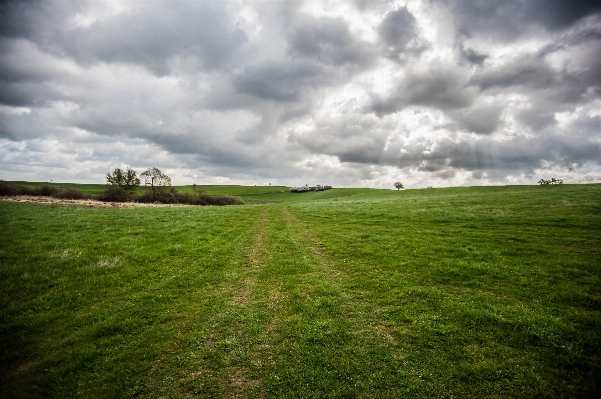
<point x="146" y="197"/>
<point x="171" y="197"/>
<point x="175" y="196"/>
<point x="201" y="199"/>
<point x="114" y="193"/>
<point x="69" y="193"/>
<point x="47" y="190"/>
<point x="218" y="200"/>
<point x="10" y="189"/>
<point x="222" y="200"/>
<point x="181" y="198"/>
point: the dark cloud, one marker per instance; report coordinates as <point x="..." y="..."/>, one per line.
<point x="398" y="28"/>
<point x="345" y="138"/>
<point x="398" y="31"/>
<point x="22" y="94"/>
<point x="536" y="118"/>
<point x="526" y="71"/>
<point x="574" y="37"/>
<point x="587" y="65"/>
<point x="507" y="20"/>
<point x="24" y="73"/>
<point x="257" y="134"/>
<point x="279" y="80"/>
<point x="153" y="36"/>
<point x="150" y="35"/>
<point x="329" y="41"/>
<point x="559" y="14"/>
<point x="439" y="87"/>
<point x="472" y="56"/>
<point x="482" y="118"/>
<point x="35" y="19"/>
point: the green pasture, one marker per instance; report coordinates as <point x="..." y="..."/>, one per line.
<point x="482" y="292"/>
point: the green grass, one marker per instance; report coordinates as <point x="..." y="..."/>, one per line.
<point x="459" y="292"/>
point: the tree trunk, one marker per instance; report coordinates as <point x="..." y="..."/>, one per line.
<point x="154" y="197"/>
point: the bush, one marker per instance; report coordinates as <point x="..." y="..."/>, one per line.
<point x="216" y="200"/>
<point x="201" y="199"/>
<point x="69" y="193"/>
<point x="114" y="193"/>
<point x="222" y="200"/>
<point x="180" y="198"/>
<point x="47" y="190"/>
<point x="204" y="199"/>
<point x="146" y="197"/>
<point x="10" y="189"/>
<point x="175" y="196"/>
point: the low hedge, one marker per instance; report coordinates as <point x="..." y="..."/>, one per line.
<point x="114" y="193"/>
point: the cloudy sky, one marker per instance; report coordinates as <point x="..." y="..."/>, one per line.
<point x="348" y="93"/>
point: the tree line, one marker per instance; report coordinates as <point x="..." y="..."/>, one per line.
<point x="122" y="186"/>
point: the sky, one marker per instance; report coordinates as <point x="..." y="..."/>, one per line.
<point x="344" y="93"/>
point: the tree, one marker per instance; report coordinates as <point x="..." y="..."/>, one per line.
<point x="127" y="180"/>
<point x="159" y="183"/>
<point x="198" y="190"/>
<point x="399" y="185"/>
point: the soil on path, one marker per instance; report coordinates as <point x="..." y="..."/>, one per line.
<point x="86" y="203"/>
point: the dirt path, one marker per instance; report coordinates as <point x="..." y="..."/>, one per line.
<point x="84" y="203"/>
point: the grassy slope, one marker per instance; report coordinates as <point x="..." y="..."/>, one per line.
<point x="464" y="292"/>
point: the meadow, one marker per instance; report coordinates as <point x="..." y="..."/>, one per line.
<point x="475" y="292"/>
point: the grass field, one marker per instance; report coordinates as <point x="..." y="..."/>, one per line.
<point x="485" y="292"/>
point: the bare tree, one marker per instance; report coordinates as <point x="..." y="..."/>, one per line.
<point x="158" y="182"/>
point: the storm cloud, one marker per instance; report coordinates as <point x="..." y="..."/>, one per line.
<point x="346" y="93"/>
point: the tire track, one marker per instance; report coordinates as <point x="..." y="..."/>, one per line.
<point x="362" y="315"/>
